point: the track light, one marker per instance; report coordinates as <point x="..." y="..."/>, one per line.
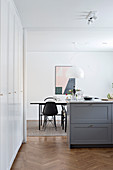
<point x="91" y="17"/>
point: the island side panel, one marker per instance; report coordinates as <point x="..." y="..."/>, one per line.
<point x="112" y="123"/>
<point x="76" y="124"/>
<point x="69" y="124"/>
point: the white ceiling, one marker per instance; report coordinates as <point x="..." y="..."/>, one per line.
<point x="64" y="13"/>
<point x="53" y="24"/>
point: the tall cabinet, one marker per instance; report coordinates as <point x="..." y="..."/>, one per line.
<point x="11" y="83"/>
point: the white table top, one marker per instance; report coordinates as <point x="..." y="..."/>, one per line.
<point x="74" y="101"/>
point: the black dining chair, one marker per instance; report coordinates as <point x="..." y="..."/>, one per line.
<point x="50" y="109"/>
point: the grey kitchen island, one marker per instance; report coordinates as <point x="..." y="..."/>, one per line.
<point x="90" y="124"/>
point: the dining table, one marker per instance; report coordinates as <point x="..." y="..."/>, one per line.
<point x="42" y="103"/>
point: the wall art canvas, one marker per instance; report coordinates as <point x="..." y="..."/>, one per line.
<point x="63" y="82"/>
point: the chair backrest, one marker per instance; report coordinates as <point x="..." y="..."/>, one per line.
<point x="50" y="109"/>
<point x="49" y="98"/>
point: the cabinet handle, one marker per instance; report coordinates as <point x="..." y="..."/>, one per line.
<point x="90" y="126"/>
<point x="9" y="93"/>
<point x="1" y="94"/>
<point x="14" y="91"/>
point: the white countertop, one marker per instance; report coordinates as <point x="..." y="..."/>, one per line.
<point x="89" y="101"/>
<point x="75" y="101"/>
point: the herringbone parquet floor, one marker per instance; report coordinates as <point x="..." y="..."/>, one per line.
<point x="52" y="153"/>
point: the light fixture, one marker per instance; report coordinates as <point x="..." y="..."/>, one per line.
<point x="76" y="72"/>
<point x="74" y="43"/>
<point x="91" y="17"/>
<point x="104" y="43"/>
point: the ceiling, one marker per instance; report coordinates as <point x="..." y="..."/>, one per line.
<point x="64" y="13"/>
<point x="58" y="25"/>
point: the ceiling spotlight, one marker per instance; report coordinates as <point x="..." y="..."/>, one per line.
<point x="104" y="43"/>
<point x="91" y="17"/>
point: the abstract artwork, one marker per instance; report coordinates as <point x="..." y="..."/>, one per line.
<point x="63" y="82"/>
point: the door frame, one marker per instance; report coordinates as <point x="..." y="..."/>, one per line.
<point x="24" y="85"/>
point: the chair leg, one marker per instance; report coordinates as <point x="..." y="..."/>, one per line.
<point x="41" y="120"/>
<point x="45" y="122"/>
<point x="63" y="121"/>
<point x="61" y="117"/>
<point x="66" y="122"/>
<point x="55" y="122"/>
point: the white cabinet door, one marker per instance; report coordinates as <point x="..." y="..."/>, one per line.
<point x="10" y="86"/>
<point x="3" y="84"/>
<point x="16" y="86"/>
<point x="21" y="81"/>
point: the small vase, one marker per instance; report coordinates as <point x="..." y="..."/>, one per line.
<point x="73" y="97"/>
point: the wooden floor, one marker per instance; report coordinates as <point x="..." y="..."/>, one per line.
<point x="52" y="153"/>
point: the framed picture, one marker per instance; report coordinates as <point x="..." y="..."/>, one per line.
<point x="63" y="83"/>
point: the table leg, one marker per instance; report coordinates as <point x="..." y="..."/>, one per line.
<point x="39" y="116"/>
<point x="61" y="117"/>
<point x="65" y="121"/>
<point x="64" y="118"/>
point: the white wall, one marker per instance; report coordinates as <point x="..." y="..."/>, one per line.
<point x="98" y="68"/>
<point x="11" y="83"/>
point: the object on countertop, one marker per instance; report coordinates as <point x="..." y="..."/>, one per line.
<point x="110" y="96"/>
<point x="68" y="97"/>
<point x="87" y="98"/>
<point x="107" y="99"/>
<point x="96" y="98"/>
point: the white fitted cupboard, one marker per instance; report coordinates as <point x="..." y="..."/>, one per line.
<point x="11" y="83"/>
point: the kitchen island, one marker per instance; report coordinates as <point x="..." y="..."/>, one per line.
<point x="90" y="123"/>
